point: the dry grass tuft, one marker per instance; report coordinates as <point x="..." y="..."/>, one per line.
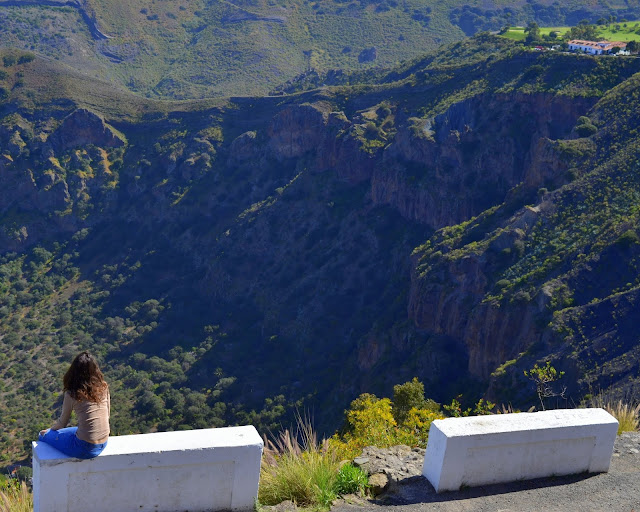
<point x="628" y="416"/>
<point x="15" y="497"/>
<point x="296" y="467"/>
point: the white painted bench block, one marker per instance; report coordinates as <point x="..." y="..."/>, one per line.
<point x="481" y="450"/>
<point x="195" y="470"/>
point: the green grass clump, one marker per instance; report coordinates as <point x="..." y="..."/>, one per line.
<point x="351" y="480"/>
<point x="15" y="497"/>
<point x="296" y="467"/>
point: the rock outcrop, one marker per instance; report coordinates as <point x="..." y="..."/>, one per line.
<point x="83" y="127"/>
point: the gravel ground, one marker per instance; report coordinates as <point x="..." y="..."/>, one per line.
<point x="615" y="491"/>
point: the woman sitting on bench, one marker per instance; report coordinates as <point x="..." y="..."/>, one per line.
<point x="86" y="393"/>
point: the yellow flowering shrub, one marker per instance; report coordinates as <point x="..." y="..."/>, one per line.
<point x="371" y="423"/>
<point x="418" y="423"/>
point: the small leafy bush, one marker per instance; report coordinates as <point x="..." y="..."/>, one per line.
<point x="26" y="58"/>
<point x="586" y="130"/>
<point x="628" y="238"/>
<point x="9" y="60"/>
<point x="351" y="480"/>
<point x="584" y="127"/>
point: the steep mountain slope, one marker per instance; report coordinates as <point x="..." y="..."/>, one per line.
<point x="229" y="260"/>
<point x="557" y="279"/>
<point x="195" y="49"/>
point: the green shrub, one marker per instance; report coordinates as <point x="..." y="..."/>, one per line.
<point x="544" y="378"/>
<point x="371" y="130"/>
<point x="406" y="396"/>
<point x="8" y="60"/>
<point x="351" y="480"/>
<point x="503" y="283"/>
<point x="628" y="238"/>
<point x="586" y="130"/>
<point x="584" y="127"/>
<point x="25" y="58"/>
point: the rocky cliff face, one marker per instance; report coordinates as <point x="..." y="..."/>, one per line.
<point x="449" y="170"/>
<point x="451" y="299"/>
<point x="82" y="128"/>
<point x="467" y="159"/>
<point x="53" y="173"/>
<point x="441" y="171"/>
<point x="548" y="280"/>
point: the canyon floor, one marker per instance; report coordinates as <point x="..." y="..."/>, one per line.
<point x="615" y="491"/>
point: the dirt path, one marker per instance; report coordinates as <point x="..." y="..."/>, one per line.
<point x="615" y="491"/>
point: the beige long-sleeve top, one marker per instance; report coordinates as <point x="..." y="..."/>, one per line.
<point x="93" y="418"/>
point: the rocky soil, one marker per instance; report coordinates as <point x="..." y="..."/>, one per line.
<point x="397" y="471"/>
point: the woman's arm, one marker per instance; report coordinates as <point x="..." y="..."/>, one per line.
<point x="67" y="406"/>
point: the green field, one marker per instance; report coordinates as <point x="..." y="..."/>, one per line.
<point x="627" y="31"/>
<point x="518" y="33"/>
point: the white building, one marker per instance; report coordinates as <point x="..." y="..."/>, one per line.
<point x="595" y="47"/>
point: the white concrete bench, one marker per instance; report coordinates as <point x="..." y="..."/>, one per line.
<point x="482" y="450"/>
<point x="195" y="470"/>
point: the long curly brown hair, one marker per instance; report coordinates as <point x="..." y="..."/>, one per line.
<point x="84" y="380"/>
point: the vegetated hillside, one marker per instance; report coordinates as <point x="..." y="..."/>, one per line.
<point x="556" y="279"/>
<point x="230" y="260"/>
<point x="179" y="49"/>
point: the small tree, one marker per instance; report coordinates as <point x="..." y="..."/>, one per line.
<point x="533" y="33"/>
<point x="405" y="397"/>
<point x="632" y="46"/>
<point x="583" y="31"/>
<point x="24" y="473"/>
<point x="544" y="377"/>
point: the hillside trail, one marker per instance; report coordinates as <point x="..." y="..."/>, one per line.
<point x="615" y="491"/>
